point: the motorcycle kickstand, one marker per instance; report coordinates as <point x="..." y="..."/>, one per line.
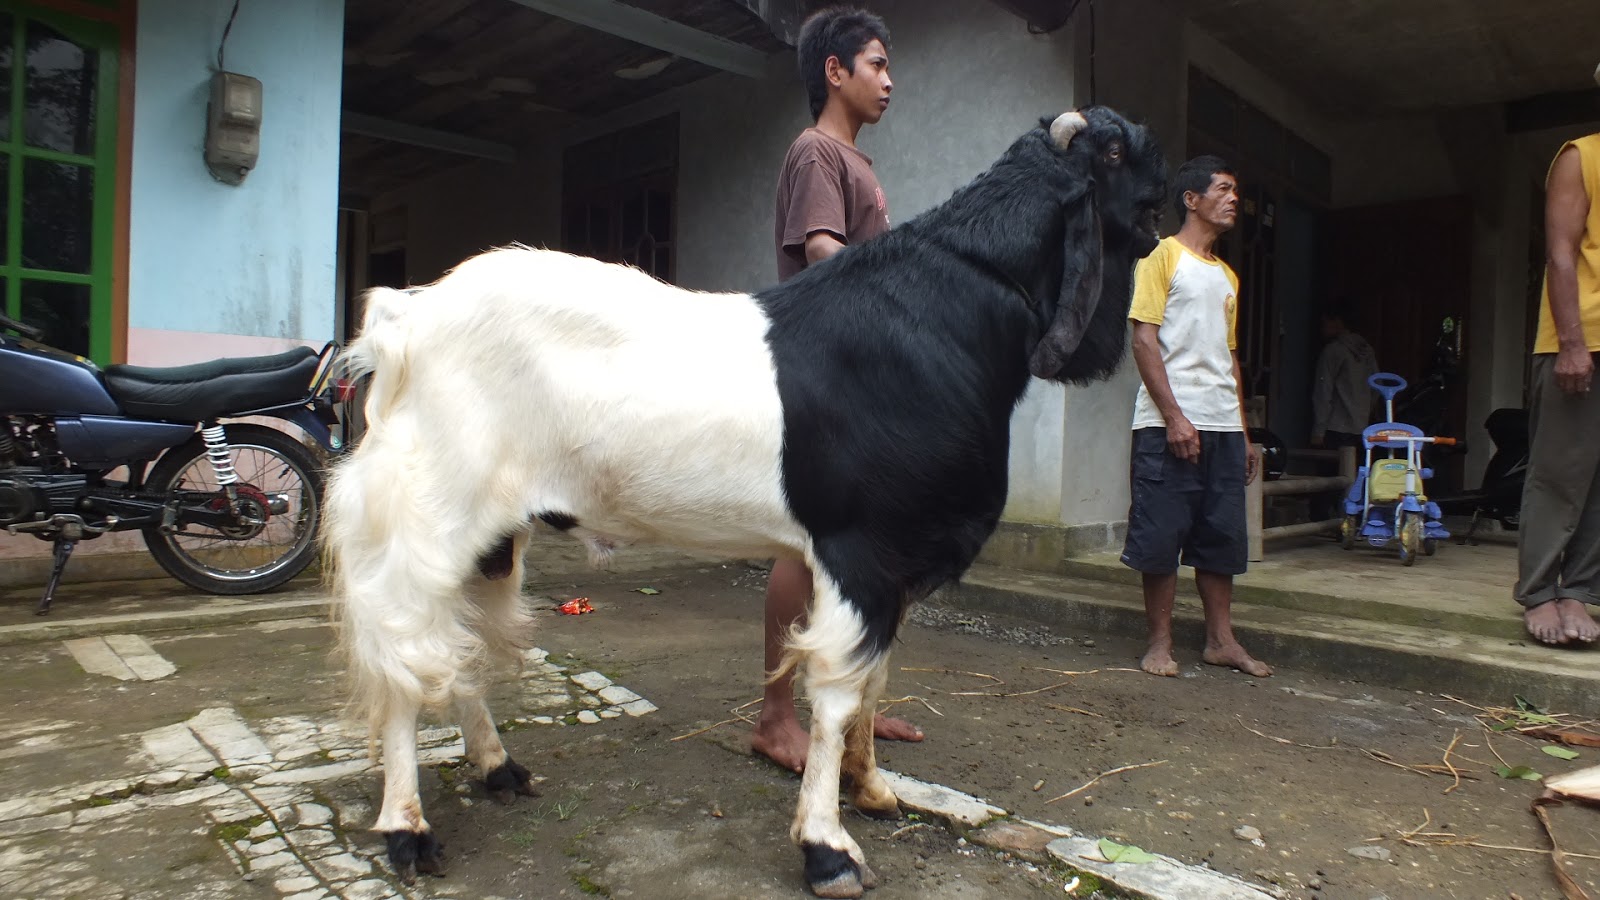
<point x="63" y="551"/>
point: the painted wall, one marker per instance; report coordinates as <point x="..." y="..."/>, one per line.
<point x="254" y="261"/>
<point x="969" y="79"/>
<point x="476" y="206"/>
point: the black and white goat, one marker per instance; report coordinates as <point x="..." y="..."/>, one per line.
<point x="856" y="417"/>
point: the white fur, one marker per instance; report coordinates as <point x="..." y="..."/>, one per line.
<point x="528" y="382"/>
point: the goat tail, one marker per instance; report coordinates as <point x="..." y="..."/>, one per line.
<point x="833" y="647"/>
<point x="381" y="350"/>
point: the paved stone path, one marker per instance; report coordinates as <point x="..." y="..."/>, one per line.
<point x="253" y="787"/>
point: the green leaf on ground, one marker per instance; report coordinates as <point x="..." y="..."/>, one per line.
<point x="648" y="591"/>
<point x="1124" y="853"/>
<point x="1528" y="706"/>
<point x="1522" y="772"/>
<point x="1502" y="726"/>
<point x="1561" y="752"/>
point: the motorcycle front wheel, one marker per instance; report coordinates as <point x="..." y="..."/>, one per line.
<point x="271" y="545"/>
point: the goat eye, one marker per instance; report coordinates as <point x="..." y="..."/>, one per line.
<point x="1115" y="153"/>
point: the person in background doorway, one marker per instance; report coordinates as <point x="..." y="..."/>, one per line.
<point x="1341" y="399"/>
<point x="828" y="198"/>
<point x="1559" y="551"/>
<point x="1191" y="460"/>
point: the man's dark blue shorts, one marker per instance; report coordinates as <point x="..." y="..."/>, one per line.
<point x="1188" y="512"/>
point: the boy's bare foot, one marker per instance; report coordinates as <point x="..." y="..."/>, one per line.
<point x="781" y="740"/>
<point x="1576" y="622"/>
<point x="1158" y="659"/>
<point x="887" y="729"/>
<point x="1234" y="656"/>
<point x="786" y="743"/>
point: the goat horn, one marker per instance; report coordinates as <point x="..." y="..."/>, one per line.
<point x="1066" y="126"/>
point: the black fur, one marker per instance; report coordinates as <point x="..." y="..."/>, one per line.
<point x="900" y="360"/>
<point x="413" y="852"/>
<point x="560" y="521"/>
<point x="497" y="563"/>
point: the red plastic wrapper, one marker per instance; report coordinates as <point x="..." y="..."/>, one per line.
<point x="576" y="607"/>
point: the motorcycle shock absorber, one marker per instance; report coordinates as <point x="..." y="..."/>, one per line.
<point x="8" y="446"/>
<point x="221" y="459"/>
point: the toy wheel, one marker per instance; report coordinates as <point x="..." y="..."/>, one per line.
<point x="1410" y="539"/>
<point x="1349" y="530"/>
<point x="1430" y="547"/>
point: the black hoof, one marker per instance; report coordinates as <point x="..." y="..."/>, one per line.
<point x="508" y="780"/>
<point x="412" y="852"/>
<point x="833" y="874"/>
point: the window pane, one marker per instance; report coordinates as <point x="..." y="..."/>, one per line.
<point x="5" y="210"/>
<point x="7" y="51"/>
<point x="60" y="91"/>
<point x="57" y="216"/>
<point x="61" y="311"/>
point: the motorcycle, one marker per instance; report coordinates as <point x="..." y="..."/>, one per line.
<point x="1500" y="494"/>
<point x="225" y="506"/>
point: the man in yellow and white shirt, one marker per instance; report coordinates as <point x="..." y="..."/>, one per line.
<point x="1559" y="553"/>
<point x="1191" y="459"/>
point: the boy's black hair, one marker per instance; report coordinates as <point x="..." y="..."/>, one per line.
<point x="840" y="31"/>
<point x="1195" y="175"/>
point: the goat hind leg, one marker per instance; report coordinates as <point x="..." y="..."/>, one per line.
<point x="836" y="681"/>
<point x="502" y="775"/>
<point x="412" y="845"/>
<point x="503" y="625"/>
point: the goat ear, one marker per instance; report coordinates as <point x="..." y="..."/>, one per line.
<point x="1081" y="257"/>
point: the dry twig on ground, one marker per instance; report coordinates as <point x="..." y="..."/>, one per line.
<point x="1095" y="780"/>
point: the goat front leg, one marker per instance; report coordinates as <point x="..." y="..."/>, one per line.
<point x="412" y="845"/>
<point x="836" y="679"/>
<point x="869" y="793"/>
<point x="504" y="778"/>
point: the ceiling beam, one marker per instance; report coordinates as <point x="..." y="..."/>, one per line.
<point x="783" y="17"/>
<point x="429" y="138"/>
<point x="651" y="30"/>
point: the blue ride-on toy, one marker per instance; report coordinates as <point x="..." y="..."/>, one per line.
<point x="1386" y="504"/>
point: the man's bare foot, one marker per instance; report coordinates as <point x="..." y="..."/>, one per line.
<point x="1158" y="659"/>
<point x="1235" y="657"/>
<point x="1544" y="623"/>
<point x="885" y="728"/>
<point x="1576" y="622"/>
<point x="786" y="743"/>
<point x="783" y="741"/>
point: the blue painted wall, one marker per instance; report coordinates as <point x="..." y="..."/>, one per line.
<point x="255" y="259"/>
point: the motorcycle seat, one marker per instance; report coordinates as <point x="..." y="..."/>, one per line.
<point x="208" y="390"/>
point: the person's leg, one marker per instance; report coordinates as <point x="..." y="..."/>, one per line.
<point x="1222" y="648"/>
<point x="1580" y="564"/>
<point x="1218" y="548"/>
<point x="1561" y="475"/>
<point x="1158" y="520"/>
<point x="778" y="734"/>
<point x="1159" y="593"/>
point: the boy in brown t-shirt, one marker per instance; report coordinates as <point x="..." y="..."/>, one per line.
<point x="828" y="197"/>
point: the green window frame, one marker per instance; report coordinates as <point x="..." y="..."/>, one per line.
<point x="100" y="165"/>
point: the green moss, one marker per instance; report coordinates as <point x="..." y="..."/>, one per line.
<point x="100" y="801"/>
<point x="588" y="886"/>
<point x="221" y="773"/>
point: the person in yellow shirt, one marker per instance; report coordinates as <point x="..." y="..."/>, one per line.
<point x="1191" y="459"/>
<point x="1559" y="553"/>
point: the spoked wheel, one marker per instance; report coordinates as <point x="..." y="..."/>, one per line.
<point x="272" y="539"/>
<point x="1410" y="539"/>
<point x="1349" y="530"/>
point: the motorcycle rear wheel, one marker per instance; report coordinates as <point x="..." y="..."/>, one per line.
<point x="269" y="461"/>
